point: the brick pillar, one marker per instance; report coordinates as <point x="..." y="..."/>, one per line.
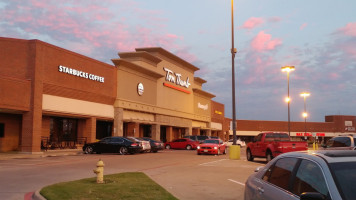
<point x="118" y="122"/>
<point x="32" y="120"/>
<point x="90" y="129"/>
<point x="156" y="131"/>
<point x="169" y="133"/>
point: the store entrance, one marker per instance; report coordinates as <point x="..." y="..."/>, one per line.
<point x="145" y="130"/>
<point x="163" y="136"/>
<point x="103" y="129"/>
<point x="63" y="133"/>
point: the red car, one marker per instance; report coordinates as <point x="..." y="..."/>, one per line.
<point x="182" y="143"/>
<point x="212" y="146"/>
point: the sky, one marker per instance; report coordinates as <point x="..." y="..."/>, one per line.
<point x="317" y="37"/>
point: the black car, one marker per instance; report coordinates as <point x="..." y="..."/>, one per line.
<point x="155" y="145"/>
<point x="113" y="145"/>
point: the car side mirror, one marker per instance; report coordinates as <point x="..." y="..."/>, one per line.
<point x="258" y="169"/>
<point x="311" y="196"/>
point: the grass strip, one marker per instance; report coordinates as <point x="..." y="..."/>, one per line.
<point x="131" y="185"/>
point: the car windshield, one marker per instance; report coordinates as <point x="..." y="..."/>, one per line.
<point x="345" y="176"/>
<point x="212" y="141"/>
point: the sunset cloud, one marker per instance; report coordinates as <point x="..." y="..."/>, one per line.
<point x="264" y="41"/>
<point x="252" y="23"/>
<point x="349" y="29"/>
<point x="303" y="26"/>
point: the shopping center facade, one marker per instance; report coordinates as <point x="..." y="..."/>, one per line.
<point x="56" y="98"/>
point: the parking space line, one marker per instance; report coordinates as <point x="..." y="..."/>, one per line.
<point x="236" y="182"/>
<point x="207" y="163"/>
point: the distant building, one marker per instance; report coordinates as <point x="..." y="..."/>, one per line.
<point x="334" y="125"/>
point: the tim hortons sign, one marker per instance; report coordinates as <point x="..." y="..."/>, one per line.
<point x="176" y="78"/>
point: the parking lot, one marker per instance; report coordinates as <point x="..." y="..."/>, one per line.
<point x="183" y="173"/>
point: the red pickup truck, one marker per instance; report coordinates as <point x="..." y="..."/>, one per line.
<point x="270" y="144"/>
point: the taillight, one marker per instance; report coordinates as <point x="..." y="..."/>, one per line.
<point x="134" y="144"/>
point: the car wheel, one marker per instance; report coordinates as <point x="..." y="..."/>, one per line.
<point x="123" y="150"/>
<point x="168" y="146"/>
<point x="198" y="153"/>
<point x="249" y="155"/>
<point x="225" y="151"/>
<point x="89" y="150"/>
<point x="188" y="147"/>
<point x="269" y="156"/>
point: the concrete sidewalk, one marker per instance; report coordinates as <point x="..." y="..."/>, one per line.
<point x="48" y="153"/>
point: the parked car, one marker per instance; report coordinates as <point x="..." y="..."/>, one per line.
<point x="308" y="175"/>
<point x="199" y="138"/>
<point x="341" y="142"/>
<point x="155" y="145"/>
<point x="120" y="145"/>
<point x="182" y="143"/>
<point x="146" y="147"/>
<point x="238" y="142"/>
<point x="212" y="146"/>
<point x="271" y="144"/>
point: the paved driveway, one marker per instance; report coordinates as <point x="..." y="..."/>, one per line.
<point x="183" y="173"/>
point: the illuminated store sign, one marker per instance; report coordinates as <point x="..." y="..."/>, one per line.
<point x="201" y="106"/>
<point x="140" y="89"/>
<point x="176" y="78"/>
<point x="310" y="134"/>
<point x="79" y="73"/>
<point x="218" y="112"/>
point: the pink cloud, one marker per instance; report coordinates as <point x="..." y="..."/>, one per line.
<point x="303" y="26"/>
<point x="252" y="23"/>
<point x="349" y="29"/>
<point x="264" y="41"/>
<point x="333" y="76"/>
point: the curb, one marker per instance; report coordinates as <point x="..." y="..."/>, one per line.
<point x="37" y="196"/>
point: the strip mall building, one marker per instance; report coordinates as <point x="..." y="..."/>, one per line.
<point x="52" y="97"/>
<point x="61" y="98"/>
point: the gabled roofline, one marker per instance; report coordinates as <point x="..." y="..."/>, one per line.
<point x="168" y="55"/>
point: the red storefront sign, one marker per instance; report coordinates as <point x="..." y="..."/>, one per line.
<point x="310" y="134"/>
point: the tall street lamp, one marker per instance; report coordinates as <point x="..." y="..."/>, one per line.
<point x="234" y="150"/>
<point x="288" y="69"/>
<point x="305" y="114"/>
<point x="233" y="52"/>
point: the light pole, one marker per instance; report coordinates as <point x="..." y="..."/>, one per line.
<point x="288" y="69"/>
<point x="305" y="114"/>
<point x="233" y="52"/>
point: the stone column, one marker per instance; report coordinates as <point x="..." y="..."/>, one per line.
<point x="169" y="133"/>
<point x="118" y="122"/>
<point x="156" y="131"/>
<point x="208" y="132"/>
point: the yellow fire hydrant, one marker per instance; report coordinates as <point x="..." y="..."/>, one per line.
<point x="99" y="171"/>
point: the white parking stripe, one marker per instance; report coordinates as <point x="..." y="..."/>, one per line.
<point x="212" y="162"/>
<point x="236" y="182"/>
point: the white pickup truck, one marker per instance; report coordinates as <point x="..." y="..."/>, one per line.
<point x="341" y="142"/>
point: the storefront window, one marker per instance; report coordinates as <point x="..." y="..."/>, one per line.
<point x="63" y="129"/>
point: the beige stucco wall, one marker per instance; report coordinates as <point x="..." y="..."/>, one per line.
<point x="73" y="106"/>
